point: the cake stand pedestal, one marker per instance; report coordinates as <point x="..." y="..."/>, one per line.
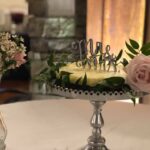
<point x="96" y="141"/>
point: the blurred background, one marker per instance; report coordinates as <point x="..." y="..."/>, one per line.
<point x="52" y="25"/>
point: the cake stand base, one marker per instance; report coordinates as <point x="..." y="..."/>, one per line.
<point x="96" y="141"/>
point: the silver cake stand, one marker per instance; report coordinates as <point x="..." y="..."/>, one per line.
<point x="96" y="141"/>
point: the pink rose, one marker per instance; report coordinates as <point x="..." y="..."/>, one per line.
<point x="19" y="58"/>
<point x="138" y="73"/>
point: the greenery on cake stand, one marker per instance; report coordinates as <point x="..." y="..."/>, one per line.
<point x="133" y="49"/>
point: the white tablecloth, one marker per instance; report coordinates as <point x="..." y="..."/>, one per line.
<point x="64" y="125"/>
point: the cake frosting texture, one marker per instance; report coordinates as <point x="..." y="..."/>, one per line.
<point x="94" y="77"/>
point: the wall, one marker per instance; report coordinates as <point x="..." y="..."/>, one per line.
<point x="6" y="6"/>
<point x="53" y="27"/>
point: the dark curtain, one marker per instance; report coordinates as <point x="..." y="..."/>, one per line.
<point x="147" y="23"/>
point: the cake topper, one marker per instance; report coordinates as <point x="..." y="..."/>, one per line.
<point x="95" y="58"/>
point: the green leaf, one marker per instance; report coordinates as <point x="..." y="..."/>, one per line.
<point x="59" y="65"/>
<point x="115" y="81"/>
<point x="52" y="74"/>
<point x="145" y="47"/>
<point x="65" y="80"/>
<point x="50" y="60"/>
<point x="131" y="49"/>
<point x="127" y="89"/>
<point x="124" y="62"/>
<point x="134" y="44"/>
<point x="77" y="82"/>
<point x="64" y="58"/>
<point x="133" y="99"/>
<point x="84" y="83"/>
<point x="101" y="87"/>
<point x="130" y="55"/>
<point x="119" y="55"/>
<point x="146" y="52"/>
<point x="43" y="70"/>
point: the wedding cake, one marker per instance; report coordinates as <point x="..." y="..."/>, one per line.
<point x="98" y="69"/>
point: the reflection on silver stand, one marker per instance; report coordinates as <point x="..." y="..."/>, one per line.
<point x="96" y="141"/>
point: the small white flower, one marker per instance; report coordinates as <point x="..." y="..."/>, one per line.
<point x="11" y="54"/>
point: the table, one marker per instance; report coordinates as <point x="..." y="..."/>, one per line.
<point x="64" y="125"/>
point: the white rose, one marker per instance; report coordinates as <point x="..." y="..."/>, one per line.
<point x="138" y="73"/>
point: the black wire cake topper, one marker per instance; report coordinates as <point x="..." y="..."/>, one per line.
<point x="97" y="58"/>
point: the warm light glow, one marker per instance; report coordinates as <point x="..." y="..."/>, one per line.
<point x="11" y="5"/>
<point x="115" y="21"/>
<point x="123" y="20"/>
<point x="94" y="20"/>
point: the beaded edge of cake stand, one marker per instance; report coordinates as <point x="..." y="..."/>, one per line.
<point x="91" y="95"/>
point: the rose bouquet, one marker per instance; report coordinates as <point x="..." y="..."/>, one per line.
<point x="12" y="52"/>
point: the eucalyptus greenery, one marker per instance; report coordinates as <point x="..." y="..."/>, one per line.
<point x="49" y="74"/>
<point x="133" y="49"/>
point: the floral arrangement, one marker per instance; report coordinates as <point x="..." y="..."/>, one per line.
<point x="12" y="52"/>
<point x="138" y="68"/>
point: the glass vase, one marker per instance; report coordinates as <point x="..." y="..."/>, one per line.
<point x="3" y="133"/>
